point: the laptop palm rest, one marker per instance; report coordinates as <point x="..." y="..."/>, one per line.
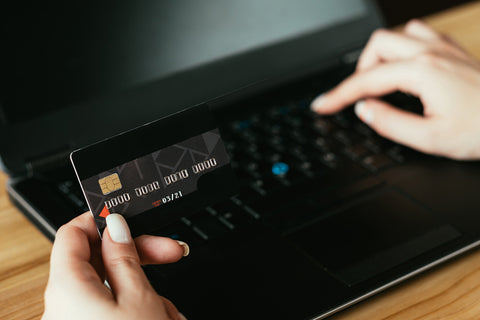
<point x="373" y="236"/>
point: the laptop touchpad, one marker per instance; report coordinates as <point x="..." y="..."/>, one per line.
<point x="373" y="236"/>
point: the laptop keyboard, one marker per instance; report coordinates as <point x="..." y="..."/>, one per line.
<point x="292" y="166"/>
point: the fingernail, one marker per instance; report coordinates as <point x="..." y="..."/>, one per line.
<point x="186" y="248"/>
<point x="318" y="102"/>
<point x="118" y="228"/>
<point x="359" y="109"/>
<point x="366" y="115"/>
<point x="369" y="116"/>
<point x="181" y="316"/>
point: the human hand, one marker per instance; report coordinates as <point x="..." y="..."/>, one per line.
<point x="80" y="261"/>
<point x="424" y="63"/>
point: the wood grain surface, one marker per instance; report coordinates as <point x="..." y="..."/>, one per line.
<point x="450" y="291"/>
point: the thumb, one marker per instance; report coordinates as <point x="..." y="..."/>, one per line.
<point x="401" y="126"/>
<point x="122" y="263"/>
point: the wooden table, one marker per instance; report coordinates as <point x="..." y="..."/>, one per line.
<point x="451" y="291"/>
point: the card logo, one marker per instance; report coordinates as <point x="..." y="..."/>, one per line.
<point x="110" y="184"/>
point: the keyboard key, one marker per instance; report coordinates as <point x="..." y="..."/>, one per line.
<point x="364" y="129"/>
<point x="357" y="151"/>
<point x="347" y="137"/>
<point x="377" y="144"/>
<point x="274" y="157"/>
<point x="179" y="231"/>
<point x="324" y="126"/>
<point x="206" y="226"/>
<point x="280" y="168"/>
<point x="343" y="119"/>
<point x="274" y="185"/>
<point x="377" y="162"/>
<point x="241" y="125"/>
<point x="248" y="136"/>
<point x="329" y="159"/>
<point x="295" y="122"/>
<point x="299" y="153"/>
<point x="273" y="129"/>
<point x="252" y="148"/>
<point x="252" y="212"/>
<point x="248" y="195"/>
<point x="258" y="187"/>
<point x="305" y="167"/>
<point x="252" y="167"/>
<point x="397" y="154"/>
<point x="373" y="146"/>
<point x="322" y="144"/>
<point x="199" y="232"/>
<point x="231" y="215"/>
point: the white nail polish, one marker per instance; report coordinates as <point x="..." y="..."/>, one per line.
<point x="369" y="116"/>
<point x="118" y="228"/>
<point x="318" y="102"/>
<point x="186" y="248"/>
<point x="181" y="316"/>
<point x="359" y="109"/>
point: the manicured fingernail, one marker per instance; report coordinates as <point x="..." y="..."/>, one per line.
<point x="118" y="228"/>
<point x="181" y="316"/>
<point x="359" y="109"/>
<point x="186" y="248"/>
<point x="318" y="102"/>
<point x="366" y="115"/>
<point x="369" y="116"/>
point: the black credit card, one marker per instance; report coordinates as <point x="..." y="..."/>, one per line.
<point x="158" y="172"/>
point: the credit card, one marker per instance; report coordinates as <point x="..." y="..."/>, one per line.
<point x="156" y="173"/>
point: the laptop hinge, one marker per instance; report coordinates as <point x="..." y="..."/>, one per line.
<point x="351" y="56"/>
<point x="47" y="162"/>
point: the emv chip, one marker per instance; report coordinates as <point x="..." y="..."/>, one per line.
<point x="110" y="183"/>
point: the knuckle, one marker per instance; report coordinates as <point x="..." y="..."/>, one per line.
<point x="442" y="46"/>
<point x="144" y="294"/>
<point x="125" y="261"/>
<point x="414" y="24"/>
<point x="411" y="23"/>
<point x="428" y="58"/>
<point x="377" y="37"/>
<point x="380" y="34"/>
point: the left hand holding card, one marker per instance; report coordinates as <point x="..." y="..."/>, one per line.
<point x="156" y="173"/>
<point x="80" y="262"/>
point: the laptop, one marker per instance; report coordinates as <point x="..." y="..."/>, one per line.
<point x="328" y="212"/>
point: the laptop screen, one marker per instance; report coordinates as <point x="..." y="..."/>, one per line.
<point x="58" y="53"/>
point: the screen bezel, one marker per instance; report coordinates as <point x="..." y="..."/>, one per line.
<point x="262" y="67"/>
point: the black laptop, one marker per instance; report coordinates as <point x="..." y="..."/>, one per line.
<point x="328" y="212"/>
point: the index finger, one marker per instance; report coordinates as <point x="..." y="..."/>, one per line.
<point x="402" y="76"/>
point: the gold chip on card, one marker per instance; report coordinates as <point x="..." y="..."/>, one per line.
<point x="110" y="183"/>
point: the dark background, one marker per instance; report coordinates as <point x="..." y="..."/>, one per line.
<point x="397" y="12"/>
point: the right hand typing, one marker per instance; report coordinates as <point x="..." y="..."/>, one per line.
<point x="423" y="63"/>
